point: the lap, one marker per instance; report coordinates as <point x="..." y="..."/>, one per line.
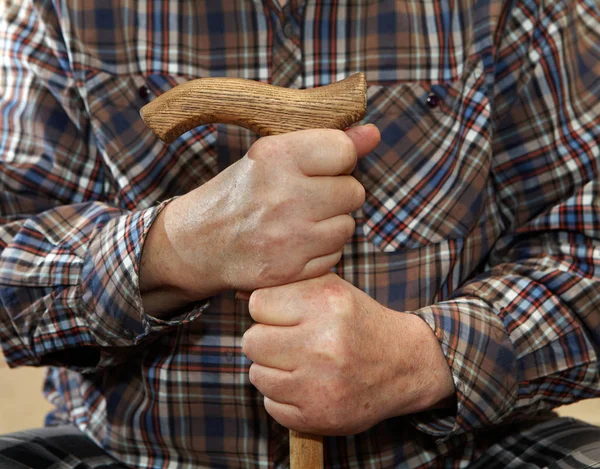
<point x="63" y="447"/>
<point x="557" y="443"/>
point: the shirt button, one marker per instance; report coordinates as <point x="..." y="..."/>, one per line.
<point x="143" y="92"/>
<point x="288" y="30"/>
<point x="433" y="100"/>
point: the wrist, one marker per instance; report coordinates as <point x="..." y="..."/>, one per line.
<point x="153" y="263"/>
<point x="432" y="385"/>
<point x="438" y="385"/>
<point x="157" y="280"/>
<point x="177" y="262"/>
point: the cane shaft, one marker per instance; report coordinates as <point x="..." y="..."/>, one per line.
<point x="306" y="451"/>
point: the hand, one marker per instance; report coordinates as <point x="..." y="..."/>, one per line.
<point x="330" y="360"/>
<point x="279" y="215"/>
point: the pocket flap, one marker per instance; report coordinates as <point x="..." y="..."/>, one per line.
<point x="425" y="181"/>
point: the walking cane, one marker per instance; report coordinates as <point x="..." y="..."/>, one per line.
<point x="266" y="110"/>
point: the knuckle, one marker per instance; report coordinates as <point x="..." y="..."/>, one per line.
<point x="329" y="350"/>
<point x="331" y="261"/>
<point x="278" y="209"/>
<point x="337" y="257"/>
<point x="330" y="417"/>
<point x="333" y="135"/>
<point x="339" y="299"/>
<point x="350" y="226"/>
<point x="253" y="374"/>
<point x="265" y="147"/>
<point x="347" y="147"/>
<point x="253" y="341"/>
<point x="334" y="422"/>
<point x="360" y="193"/>
<point x="342" y="151"/>
<point x="333" y="286"/>
<point x="267" y="274"/>
<point x="254" y="304"/>
<point x="272" y="238"/>
<point x="247" y="344"/>
<point x="334" y="353"/>
<point x="329" y="279"/>
<point x="303" y="420"/>
<point x="344" y="142"/>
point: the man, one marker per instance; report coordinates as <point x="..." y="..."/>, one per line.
<point x="465" y="292"/>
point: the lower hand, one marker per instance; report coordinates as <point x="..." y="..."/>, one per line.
<point x="330" y="360"/>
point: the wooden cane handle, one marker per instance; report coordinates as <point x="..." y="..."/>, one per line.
<point x="262" y="108"/>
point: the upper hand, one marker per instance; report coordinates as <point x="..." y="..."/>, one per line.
<point x="331" y="360"/>
<point x="279" y="215"/>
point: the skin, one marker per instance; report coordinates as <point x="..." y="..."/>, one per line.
<point x="328" y="358"/>
<point x="277" y="216"/>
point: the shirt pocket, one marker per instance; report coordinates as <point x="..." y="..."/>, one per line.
<point x="425" y="181"/>
<point x="140" y="170"/>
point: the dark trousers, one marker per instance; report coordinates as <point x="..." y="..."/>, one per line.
<point x="559" y="443"/>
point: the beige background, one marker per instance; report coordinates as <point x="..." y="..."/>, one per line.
<point x="22" y="405"/>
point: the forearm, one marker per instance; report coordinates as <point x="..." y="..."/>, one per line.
<point x="43" y="271"/>
<point x="69" y="250"/>
<point x="168" y="279"/>
<point x="62" y="299"/>
<point x="159" y="296"/>
<point x="431" y="384"/>
<point x="520" y="339"/>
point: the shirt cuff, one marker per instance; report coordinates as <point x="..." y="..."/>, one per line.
<point x="110" y="291"/>
<point x="483" y="363"/>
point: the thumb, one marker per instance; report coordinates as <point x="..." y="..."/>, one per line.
<point x="365" y="138"/>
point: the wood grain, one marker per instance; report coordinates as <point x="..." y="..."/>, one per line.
<point x="262" y="108"/>
<point x="306" y="451"/>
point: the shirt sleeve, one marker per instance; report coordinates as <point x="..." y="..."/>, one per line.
<point x="525" y="334"/>
<point x="69" y="260"/>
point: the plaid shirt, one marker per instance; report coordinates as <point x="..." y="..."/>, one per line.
<point x="482" y="212"/>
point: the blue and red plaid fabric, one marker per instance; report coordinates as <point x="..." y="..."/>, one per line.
<point x="482" y="212"/>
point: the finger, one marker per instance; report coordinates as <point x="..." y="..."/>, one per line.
<point x="329" y="236"/>
<point x="287" y="415"/>
<point x="332" y="152"/>
<point x="365" y="138"/>
<point x="321" y="152"/>
<point x="272" y="346"/>
<point x="277" y="306"/>
<point x="273" y="383"/>
<point x="320" y="266"/>
<point x="291" y="304"/>
<point x="331" y="196"/>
